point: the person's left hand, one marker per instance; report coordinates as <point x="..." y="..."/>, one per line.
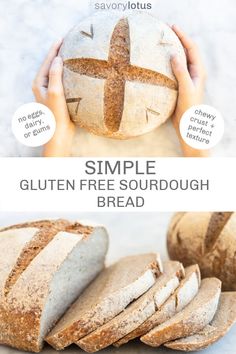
<point x="48" y="90"/>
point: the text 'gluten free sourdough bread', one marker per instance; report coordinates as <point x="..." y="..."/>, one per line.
<point x="117" y="74"/>
<point x="48" y="264"/>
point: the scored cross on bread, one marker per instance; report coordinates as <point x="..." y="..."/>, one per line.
<point x="116" y="71"/>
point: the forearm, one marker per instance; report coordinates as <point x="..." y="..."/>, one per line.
<point x="187" y="150"/>
<point x="61" y="143"/>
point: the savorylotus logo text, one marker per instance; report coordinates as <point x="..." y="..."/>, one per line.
<point x="129" y="5"/>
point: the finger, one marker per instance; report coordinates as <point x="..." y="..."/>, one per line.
<point x="192" y="52"/>
<point x="55" y="86"/>
<point x="180" y="70"/>
<point x="195" y="63"/>
<point x="41" y="77"/>
<point x="195" y="74"/>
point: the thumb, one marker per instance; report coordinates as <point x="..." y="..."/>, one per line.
<point x="55" y="86"/>
<point x="180" y="70"/>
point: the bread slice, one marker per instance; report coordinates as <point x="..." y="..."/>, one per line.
<point x="50" y="283"/>
<point x="185" y="292"/>
<point x="137" y="312"/>
<point x="191" y="319"/>
<point x="223" y="320"/>
<point x="107" y="296"/>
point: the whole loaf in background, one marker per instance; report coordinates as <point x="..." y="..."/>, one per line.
<point x="118" y="79"/>
<point x="208" y="239"/>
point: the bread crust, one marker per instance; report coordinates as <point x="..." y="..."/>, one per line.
<point x="209" y="240"/>
<point x="22" y="305"/>
<point x="113" y="87"/>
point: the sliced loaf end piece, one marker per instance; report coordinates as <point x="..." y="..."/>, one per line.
<point x="223" y="320"/>
<point x="195" y="316"/>
<point x="51" y="282"/>
<point x="46" y="230"/>
<point x="113" y="290"/>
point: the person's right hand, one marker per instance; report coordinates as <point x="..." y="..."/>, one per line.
<point x="191" y="77"/>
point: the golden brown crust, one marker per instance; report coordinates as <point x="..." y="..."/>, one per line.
<point x="17" y="336"/>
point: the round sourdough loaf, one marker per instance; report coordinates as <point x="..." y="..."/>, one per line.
<point x="208" y="239"/>
<point x="117" y="74"/>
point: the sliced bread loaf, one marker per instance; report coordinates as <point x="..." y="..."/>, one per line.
<point x="136" y="313"/>
<point x="45" y="230"/>
<point x="52" y="280"/>
<point x="191" y="319"/>
<point x="223" y="320"/>
<point x="106" y="297"/>
<point x="185" y="292"/>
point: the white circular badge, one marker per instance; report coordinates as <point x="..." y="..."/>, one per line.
<point x="33" y="124"/>
<point x="202" y="127"/>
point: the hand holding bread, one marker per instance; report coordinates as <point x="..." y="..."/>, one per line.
<point x="191" y="75"/>
<point x="48" y="90"/>
<point x="113" y="87"/>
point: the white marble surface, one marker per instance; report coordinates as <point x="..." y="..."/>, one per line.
<point x="130" y="233"/>
<point x="28" y="28"/>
